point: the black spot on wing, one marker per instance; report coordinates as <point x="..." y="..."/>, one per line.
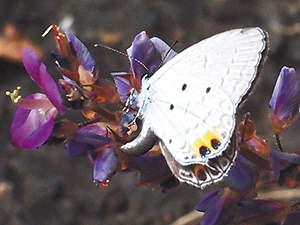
<point x="203" y="150"/>
<point x="215" y="143"/>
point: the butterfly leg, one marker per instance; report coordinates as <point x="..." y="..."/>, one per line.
<point x="142" y="143"/>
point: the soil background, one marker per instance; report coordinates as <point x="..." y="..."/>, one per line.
<point x="45" y="186"/>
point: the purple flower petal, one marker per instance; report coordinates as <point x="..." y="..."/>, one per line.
<point x="292" y="217"/>
<point x="242" y="175"/>
<point x="31" y="128"/>
<point x="92" y="128"/>
<point x="122" y="84"/>
<point x="39" y="136"/>
<point x="275" y="164"/>
<point x="150" y="167"/>
<point x="290" y="157"/>
<point x="38" y="73"/>
<point x="282" y="160"/>
<point x="19" y="119"/>
<point x="105" y="165"/>
<point x="220" y="210"/>
<point x="164" y="49"/>
<point x="32" y="65"/>
<point x="50" y="89"/>
<point x="93" y="136"/>
<point x="83" y="54"/>
<point x="86" y="139"/>
<point x="204" y="202"/>
<point x="76" y="148"/>
<point x="285" y="100"/>
<point x="143" y="50"/>
<point x="261" y="212"/>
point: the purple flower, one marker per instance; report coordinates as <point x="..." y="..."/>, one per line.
<point x="146" y="55"/>
<point x="38" y="73"/>
<point x="219" y="207"/>
<point x="242" y="176"/>
<point x="261" y="212"/>
<point x="91" y="141"/>
<point x="223" y="206"/>
<point x="154" y="170"/>
<point x="292" y="217"/>
<point x="285" y="100"/>
<point x="34" y="120"/>
<point x="285" y="168"/>
<point x="73" y="58"/>
<point x="82" y="87"/>
<point x="122" y="81"/>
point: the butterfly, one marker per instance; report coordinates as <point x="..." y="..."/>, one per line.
<point x="189" y="104"/>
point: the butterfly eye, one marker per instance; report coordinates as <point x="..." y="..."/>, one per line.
<point x="183" y="87"/>
<point x="204" y="151"/>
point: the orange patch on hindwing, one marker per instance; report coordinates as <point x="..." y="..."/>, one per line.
<point x="209" y="142"/>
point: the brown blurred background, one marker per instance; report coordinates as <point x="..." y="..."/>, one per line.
<point x="44" y="186"/>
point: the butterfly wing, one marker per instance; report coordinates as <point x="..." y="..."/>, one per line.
<point x="190" y="102"/>
<point x="202" y="175"/>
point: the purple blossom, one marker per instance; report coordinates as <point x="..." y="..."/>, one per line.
<point x="34" y="120"/>
<point x="219" y="208"/>
<point x="285" y="100"/>
<point x="38" y="73"/>
<point x="223" y="206"/>
<point x="146" y="56"/>
<point x="91" y="141"/>
<point x="285" y="167"/>
<point x="122" y="83"/>
<point x="73" y="58"/>
<point x="153" y="170"/>
<point x="83" y="55"/>
<point x="261" y="212"/>
<point x="292" y="217"/>
<point x="81" y="85"/>
<point x="242" y="176"/>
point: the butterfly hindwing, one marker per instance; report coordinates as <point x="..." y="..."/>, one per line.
<point x="200" y="175"/>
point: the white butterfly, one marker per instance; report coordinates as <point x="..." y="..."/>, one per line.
<point x="189" y="104"/>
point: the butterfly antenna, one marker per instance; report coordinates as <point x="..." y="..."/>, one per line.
<point x="124" y="54"/>
<point x="167" y="53"/>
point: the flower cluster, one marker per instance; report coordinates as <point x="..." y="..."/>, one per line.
<point x="39" y="120"/>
